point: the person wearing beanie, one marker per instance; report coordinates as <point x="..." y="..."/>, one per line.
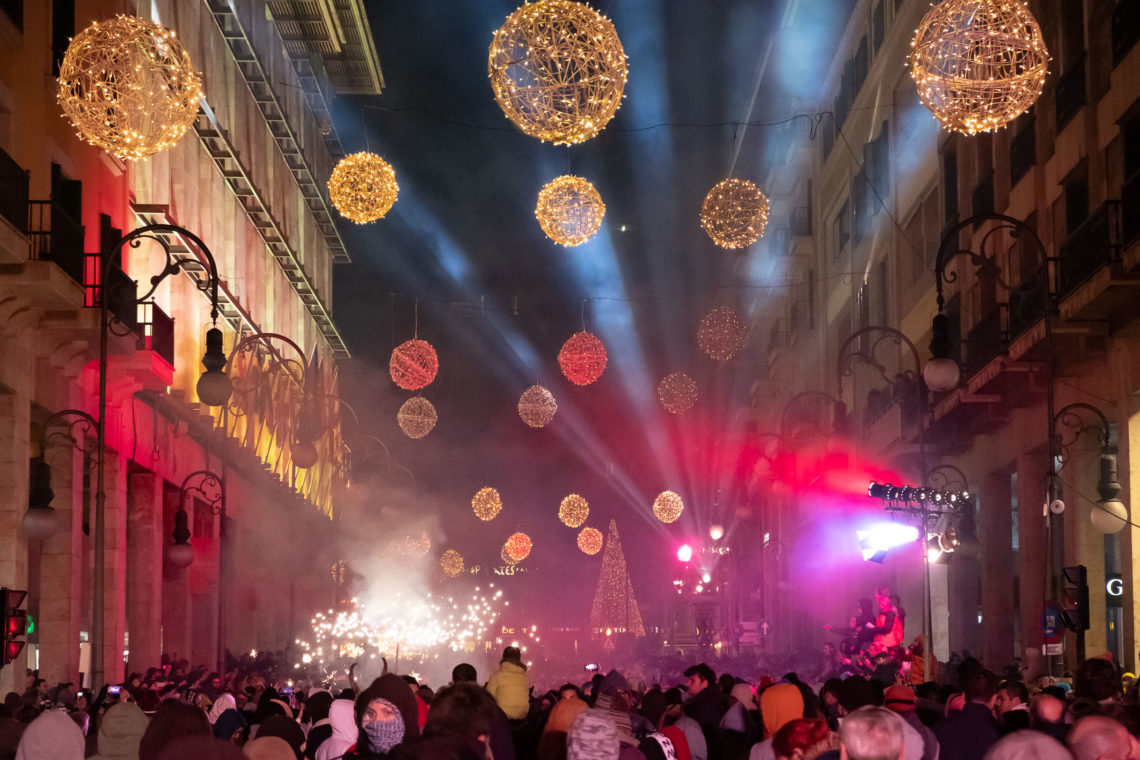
<point x="900" y="699"/>
<point x="231" y="726"/>
<point x="52" y="735"/>
<point x="287" y="730"/>
<point x="615" y="699"/>
<point x="382" y="727"/>
<point x="121" y="731"/>
<point x="320" y="728"/>
<point x="510" y="685"/>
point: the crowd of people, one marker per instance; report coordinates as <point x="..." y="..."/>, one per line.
<point x="250" y="711"/>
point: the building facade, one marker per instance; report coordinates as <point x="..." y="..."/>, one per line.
<point x="249" y="181"/>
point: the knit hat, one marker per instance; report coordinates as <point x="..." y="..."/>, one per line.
<point x="286" y="729"/>
<point x="899" y="698"/>
<point x="593" y="736"/>
<point x="613" y="683"/>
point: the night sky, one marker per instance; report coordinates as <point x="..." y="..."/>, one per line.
<point x="497" y="298"/>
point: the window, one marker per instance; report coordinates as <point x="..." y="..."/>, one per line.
<point x="1076" y="200"/>
<point x="842" y="227"/>
<point x="879" y="24"/>
<point x="1022" y="148"/>
<point x="62" y="30"/>
<point x="924" y="232"/>
<point x="14" y="10"/>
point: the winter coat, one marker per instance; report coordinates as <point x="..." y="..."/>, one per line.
<point x="510" y="686"/>
<point x="342" y="718"/>
<point x="121" y="731"/>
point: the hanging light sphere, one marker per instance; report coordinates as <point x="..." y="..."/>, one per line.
<point x="677" y="392"/>
<point x="518" y="546"/>
<point x="363" y="187"/>
<point x="590" y="541"/>
<point x="978" y="64"/>
<point x="569" y="210"/>
<point x="486" y="504"/>
<point x="127" y="86"/>
<point x="716" y="532"/>
<point x="413" y="365"/>
<point x="734" y="213"/>
<point x="558" y="70"/>
<point x="507" y="559"/>
<point x="721" y="334"/>
<point x="1108" y="515"/>
<point x="573" y="511"/>
<point x="180" y="554"/>
<point x="40" y="523"/>
<point x="304" y="455"/>
<point x="582" y="358"/>
<point x="537" y="406"/>
<point x="417" y="417"/>
<point x="667" y="507"/>
<point x="451" y="562"/>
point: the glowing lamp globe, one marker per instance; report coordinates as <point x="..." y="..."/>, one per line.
<point x="214" y="387"/>
<point x="590" y="541"/>
<point x="716" y="532"/>
<point x="677" y="393"/>
<point x="557" y="70"/>
<point x="941" y="375"/>
<point x="1107" y="516"/>
<point x="569" y="210"/>
<point x="582" y="358"/>
<point x="537" y="406"/>
<point x="667" y="507"/>
<point x="39" y="523"/>
<point x="978" y="64"/>
<point x="180" y="554"/>
<point x="363" y="187"/>
<point x="416" y="417"/>
<point x="573" y="511"/>
<point x="721" y="334"/>
<point x="127" y="86"/>
<point x="413" y="364"/>
<point x="735" y="213"/>
<point x="518" y="546"/>
<point x="304" y="455"/>
<point x="451" y="562"/>
<point x="486" y="504"/>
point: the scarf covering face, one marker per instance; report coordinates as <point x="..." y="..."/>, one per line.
<point x="593" y="736"/>
<point x="780" y="704"/>
<point x="383" y="735"/>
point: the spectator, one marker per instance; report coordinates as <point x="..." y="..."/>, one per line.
<point x="706" y="703"/>
<point x="344" y="730"/>
<point x="900" y="699"/>
<point x="320" y="727"/>
<point x="51" y="736"/>
<point x="1047" y="715"/>
<point x="502" y="744"/>
<point x="872" y="733"/>
<point x="268" y="748"/>
<point x="1097" y="737"/>
<point x="287" y="730"/>
<point x="1028" y="745"/>
<point x="1097" y="688"/>
<point x="780" y="704"/>
<point x="804" y="738"/>
<point x="172" y="720"/>
<point x="1012" y="706"/>
<point x="510" y="685"/>
<point x="968" y="734"/>
<point x="121" y="731"/>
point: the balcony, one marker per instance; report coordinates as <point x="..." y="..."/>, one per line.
<point x="121" y="290"/>
<point x="156" y="331"/>
<point x="1093" y="245"/>
<point x="1071" y="93"/>
<point x="56" y="236"/>
<point x="984" y="342"/>
<point x="1125" y="29"/>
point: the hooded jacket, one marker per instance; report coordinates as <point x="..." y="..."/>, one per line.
<point x="53" y="735"/>
<point x="121" y="731"/>
<point x="510" y="686"/>
<point x="342" y="718"/>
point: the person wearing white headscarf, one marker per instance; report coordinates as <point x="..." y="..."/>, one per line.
<point x="53" y="735"/>
<point x="225" y="701"/>
<point x="342" y="717"/>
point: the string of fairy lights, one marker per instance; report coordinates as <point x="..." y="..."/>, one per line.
<point x="558" y="71"/>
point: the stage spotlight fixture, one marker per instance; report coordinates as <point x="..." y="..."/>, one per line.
<point x="878" y="490"/>
<point x="685" y="553"/>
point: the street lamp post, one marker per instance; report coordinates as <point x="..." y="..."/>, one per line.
<point x="213" y="388"/>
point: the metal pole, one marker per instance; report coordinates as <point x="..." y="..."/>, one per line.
<point x="97" y="597"/>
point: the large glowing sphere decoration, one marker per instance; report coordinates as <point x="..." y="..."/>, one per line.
<point x="590" y="540"/>
<point x="363" y="187"/>
<point x="417" y="417"/>
<point x="734" y="213"/>
<point x="677" y="392"/>
<point x="507" y="559"/>
<point x="582" y="358"/>
<point x="978" y="64"/>
<point x="573" y="511"/>
<point x="451" y="562"/>
<point x="127" y="86"/>
<point x="537" y="406"/>
<point x="721" y="334"/>
<point x="486" y="504"/>
<point x="518" y="546"/>
<point x="558" y="70"/>
<point x="413" y="364"/>
<point x="569" y="210"/>
<point x="667" y="507"/>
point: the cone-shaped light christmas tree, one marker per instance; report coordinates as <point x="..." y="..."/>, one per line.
<point x="614" y="606"/>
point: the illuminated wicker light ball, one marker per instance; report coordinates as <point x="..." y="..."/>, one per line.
<point x="667" y="507"/>
<point x="978" y="64"/>
<point x="557" y="70"/>
<point x="734" y="213"/>
<point x="677" y="392"/>
<point x="573" y="511"/>
<point x="451" y="562"/>
<point x="363" y="187"/>
<point x="518" y="546"/>
<point x="721" y="334"/>
<point x="127" y="86"/>
<point x="569" y="210"/>
<point x="537" y="406"/>
<point x="417" y="417"/>
<point x="507" y="559"/>
<point x="413" y="364"/>
<point x="582" y="358"/>
<point x="486" y="504"/>
<point x="590" y="540"/>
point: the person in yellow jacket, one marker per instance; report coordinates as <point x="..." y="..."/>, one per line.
<point x="510" y="685"/>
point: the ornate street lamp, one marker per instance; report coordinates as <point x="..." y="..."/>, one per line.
<point x="203" y="486"/>
<point x="1109" y="514"/>
<point x="40" y="522"/>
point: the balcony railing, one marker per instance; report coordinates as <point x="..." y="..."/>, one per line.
<point x="13" y="192"/>
<point x="156" y="331"/>
<point x="984" y="341"/>
<point x="1095" y="244"/>
<point x="1125" y="29"/>
<point x="121" y="290"/>
<point x="56" y="236"/>
<point x="1130" y="208"/>
<point x="1071" y="93"/>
